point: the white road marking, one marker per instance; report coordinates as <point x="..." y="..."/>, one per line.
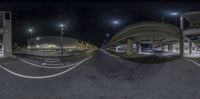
<point x="43" y="77"/>
<point x="54" y="59"/>
<point x="43" y="63"/>
<point x="36" y="65"/>
<point x="54" y="64"/>
<point x="193" y="62"/>
<point x="50" y="61"/>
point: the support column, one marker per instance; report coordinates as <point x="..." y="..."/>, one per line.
<point x="181" y="23"/>
<point x="169" y="47"/>
<point x="130" y="47"/>
<point x="190" y="47"/>
<point x="181" y="38"/>
<point x="162" y="47"/>
<point x="138" y="47"/>
<point x="172" y="47"/>
<point x="152" y="44"/>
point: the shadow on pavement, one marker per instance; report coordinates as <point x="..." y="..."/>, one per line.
<point x="144" y="59"/>
<point x="153" y="59"/>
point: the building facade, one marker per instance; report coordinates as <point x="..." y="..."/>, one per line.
<point x="53" y="43"/>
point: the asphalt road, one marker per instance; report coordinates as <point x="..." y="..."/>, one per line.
<point x="103" y="77"/>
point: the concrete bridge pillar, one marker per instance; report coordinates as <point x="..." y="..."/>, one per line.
<point x="138" y="47"/>
<point x="172" y="48"/>
<point x="162" y="46"/>
<point x="169" y="47"/>
<point x="152" y="44"/>
<point x="130" y="47"/>
<point x="181" y="38"/>
<point x="190" y="47"/>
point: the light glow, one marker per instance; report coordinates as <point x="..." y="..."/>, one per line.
<point x="30" y="30"/>
<point x="116" y="22"/>
<point x="174" y="13"/>
<point x="61" y="25"/>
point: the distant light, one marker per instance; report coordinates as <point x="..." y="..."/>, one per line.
<point x="61" y="25"/>
<point x="38" y="38"/>
<point x="116" y="22"/>
<point x="30" y="30"/>
<point x="37" y="46"/>
<point x="107" y="34"/>
<point x="174" y="13"/>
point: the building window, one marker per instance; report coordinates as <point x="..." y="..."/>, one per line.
<point x="7" y="16"/>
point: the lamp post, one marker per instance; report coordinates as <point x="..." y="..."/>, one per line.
<point x="38" y="38"/>
<point x="30" y="30"/>
<point x="61" y="38"/>
<point x="115" y="22"/>
<point x="175" y="14"/>
<point x="107" y="37"/>
<point x="181" y="28"/>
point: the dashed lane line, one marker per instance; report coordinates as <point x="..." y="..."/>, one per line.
<point x="43" y="77"/>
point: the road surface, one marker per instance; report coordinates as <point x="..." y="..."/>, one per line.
<point x="102" y="76"/>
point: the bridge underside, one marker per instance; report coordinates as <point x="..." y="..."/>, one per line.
<point x="147" y="38"/>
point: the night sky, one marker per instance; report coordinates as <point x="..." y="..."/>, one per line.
<point x="88" y="21"/>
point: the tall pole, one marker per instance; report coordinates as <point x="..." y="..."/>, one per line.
<point x="115" y="25"/>
<point x="61" y="40"/>
<point x="114" y="28"/>
<point x="31" y="43"/>
<point x="31" y="39"/>
<point x="181" y="36"/>
<point x="163" y="19"/>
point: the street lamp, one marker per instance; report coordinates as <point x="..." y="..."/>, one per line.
<point x="38" y="38"/>
<point x="61" y="38"/>
<point x="175" y="14"/>
<point x="30" y="30"/>
<point x="115" y="22"/>
<point x="107" y="35"/>
<point x="106" y="39"/>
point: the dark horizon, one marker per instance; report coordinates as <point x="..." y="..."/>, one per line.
<point x="86" y="21"/>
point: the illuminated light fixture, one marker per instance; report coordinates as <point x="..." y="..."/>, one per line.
<point x="61" y="25"/>
<point x="30" y="30"/>
<point x="174" y="13"/>
<point x="37" y="46"/>
<point x="38" y="38"/>
<point x="115" y="22"/>
<point x="107" y="34"/>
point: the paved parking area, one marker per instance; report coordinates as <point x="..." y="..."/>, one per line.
<point x="103" y="77"/>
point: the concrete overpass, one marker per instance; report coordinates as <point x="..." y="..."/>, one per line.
<point x="190" y="24"/>
<point x="158" y="35"/>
